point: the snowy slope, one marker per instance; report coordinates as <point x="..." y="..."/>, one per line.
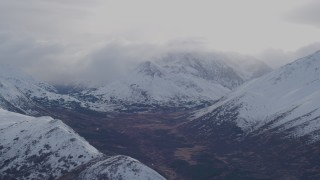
<point x="174" y="80"/>
<point x="45" y="148"/>
<point x="285" y="100"/>
<point x="21" y="93"/>
<point x="119" y="167"/>
<point x="40" y="147"/>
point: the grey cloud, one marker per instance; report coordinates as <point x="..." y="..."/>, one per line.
<point x="43" y="18"/>
<point x="277" y="57"/>
<point x="188" y="43"/>
<point x="307" y="14"/>
<point x="25" y="51"/>
<point x="44" y="60"/>
<point x="116" y="58"/>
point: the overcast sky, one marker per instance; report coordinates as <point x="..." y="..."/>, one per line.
<point x="60" y="35"/>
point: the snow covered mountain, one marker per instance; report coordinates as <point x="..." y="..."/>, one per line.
<point x="284" y="101"/>
<point x="175" y="80"/>
<point x="21" y="93"/>
<point x="46" y="148"/>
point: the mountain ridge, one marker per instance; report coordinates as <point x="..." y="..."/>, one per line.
<point x="46" y="148"/>
<point x="288" y="94"/>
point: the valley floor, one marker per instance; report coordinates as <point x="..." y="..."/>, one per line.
<point x="159" y="141"/>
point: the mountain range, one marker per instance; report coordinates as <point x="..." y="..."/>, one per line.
<point x="237" y="109"/>
<point x="174" y="80"/>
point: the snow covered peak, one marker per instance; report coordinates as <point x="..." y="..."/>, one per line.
<point x="148" y="68"/>
<point x="226" y="69"/>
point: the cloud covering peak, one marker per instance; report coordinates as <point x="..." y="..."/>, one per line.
<point x="71" y="40"/>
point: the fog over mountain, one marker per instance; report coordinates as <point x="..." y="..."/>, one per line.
<point x="58" y="64"/>
<point x="63" y="41"/>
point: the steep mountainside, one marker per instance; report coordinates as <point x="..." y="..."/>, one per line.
<point x="45" y="148"/>
<point x="283" y="101"/>
<point x="174" y="80"/>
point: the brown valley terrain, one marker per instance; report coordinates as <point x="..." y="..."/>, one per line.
<point x="164" y="142"/>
